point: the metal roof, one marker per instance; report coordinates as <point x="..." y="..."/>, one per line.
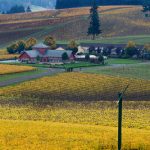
<point x="49" y="53"/>
<point x="40" y="45"/>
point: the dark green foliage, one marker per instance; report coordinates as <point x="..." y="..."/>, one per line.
<point x="12" y="49"/>
<point x="82" y="3"/>
<point x="28" y="9"/>
<point x="38" y="58"/>
<point x="131" y="51"/>
<point x="101" y="59"/>
<point x="16" y="9"/>
<point x="87" y="57"/>
<point x="65" y="56"/>
<point x="21" y="46"/>
<point x="94" y="28"/>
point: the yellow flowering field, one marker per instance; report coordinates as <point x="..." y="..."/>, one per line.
<point x="8" y="69"/>
<point x="74" y="125"/>
<point x="5" y="56"/>
<point x="78" y="87"/>
<point x="8" y="56"/>
<point x="32" y="135"/>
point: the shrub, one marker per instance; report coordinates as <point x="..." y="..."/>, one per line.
<point x="12" y="49"/>
<point x="131" y="49"/>
<point x="73" y="46"/>
<point x="65" y="56"/>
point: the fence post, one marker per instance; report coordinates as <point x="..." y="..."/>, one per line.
<point x="119" y="120"/>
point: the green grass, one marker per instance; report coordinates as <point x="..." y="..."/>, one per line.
<point x="123" y="61"/>
<point x="61" y="66"/>
<point x="76" y="65"/>
<point x="22" y="74"/>
<point x="138" y="39"/>
<point x="140" y="71"/>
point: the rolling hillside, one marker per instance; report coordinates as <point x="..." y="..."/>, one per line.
<point x="66" y="24"/>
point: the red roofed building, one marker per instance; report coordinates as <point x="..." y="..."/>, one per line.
<point x="42" y="53"/>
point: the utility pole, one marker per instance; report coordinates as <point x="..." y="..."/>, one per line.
<point x="120" y="98"/>
<point x="120" y="121"/>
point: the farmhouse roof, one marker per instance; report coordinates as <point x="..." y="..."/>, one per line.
<point x="49" y="53"/>
<point x="32" y="53"/>
<point x="40" y="45"/>
<point x="60" y="48"/>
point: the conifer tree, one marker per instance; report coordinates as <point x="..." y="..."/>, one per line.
<point x="28" y="9"/>
<point x="94" y="28"/>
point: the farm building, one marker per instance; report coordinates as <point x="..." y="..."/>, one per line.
<point x="42" y="53"/>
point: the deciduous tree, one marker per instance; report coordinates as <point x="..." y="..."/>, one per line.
<point x="73" y="46"/>
<point x="30" y="43"/>
<point x="50" y="41"/>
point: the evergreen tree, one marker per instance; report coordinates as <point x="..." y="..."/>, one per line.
<point x="28" y="9"/>
<point x="94" y="28"/>
<point x="16" y="9"/>
<point x="65" y="56"/>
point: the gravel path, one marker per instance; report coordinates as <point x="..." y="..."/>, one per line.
<point x="47" y="72"/>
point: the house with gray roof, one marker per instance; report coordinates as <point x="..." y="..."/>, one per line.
<point x="42" y="53"/>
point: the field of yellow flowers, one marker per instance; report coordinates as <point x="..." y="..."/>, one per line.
<point x="78" y="87"/>
<point x="70" y="115"/>
<point x="74" y="125"/>
<point x="8" y="69"/>
<point x="5" y="56"/>
<point x="8" y="56"/>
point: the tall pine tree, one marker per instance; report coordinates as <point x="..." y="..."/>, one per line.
<point x="94" y="28"/>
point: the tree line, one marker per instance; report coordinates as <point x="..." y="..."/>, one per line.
<point x="22" y="45"/>
<point x="17" y="9"/>
<point x="79" y="3"/>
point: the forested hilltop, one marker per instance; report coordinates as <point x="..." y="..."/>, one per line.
<point x="5" y="5"/>
<point x="81" y="3"/>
